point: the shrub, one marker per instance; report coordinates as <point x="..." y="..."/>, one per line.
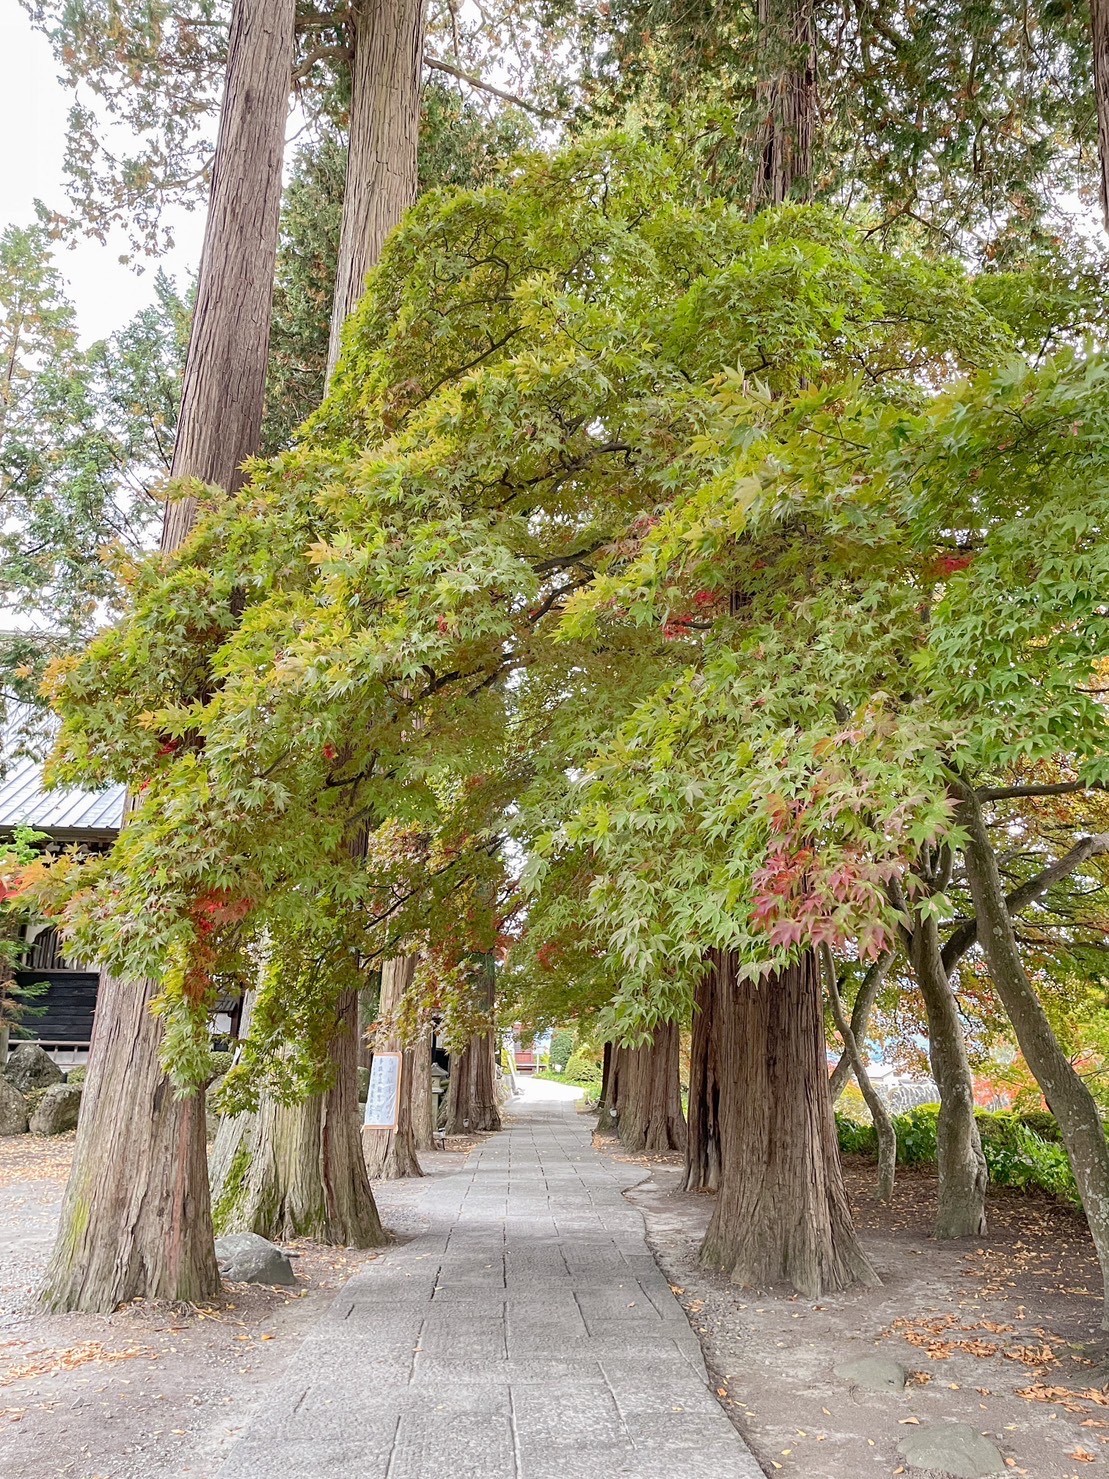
<point x="1017" y="1156"/>
<point x="77" y="1075"/>
<point x="856" y="1138"/>
<point x="916" y="1134"/>
<point x="1044" y="1124"/>
<point x="221" y="1062"/>
<point x="1021" y="1150"/>
<point x="583" y="1067"/>
<point x="562" y="1046"/>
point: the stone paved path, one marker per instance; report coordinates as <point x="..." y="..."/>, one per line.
<point x="528" y="1334"/>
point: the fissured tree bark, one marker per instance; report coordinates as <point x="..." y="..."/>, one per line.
<point x="786" y="100"/>
<point x="1099" y="37"/>
<point x="702" y="1155"/>
<point x="384" y="134"/>
<point x="391" y="1154"/>
<point x="781" y="1211"/>
<point x="649" y="1108"/>
<point x="136" y="1220"/>
<point x="381" y="183"/>
<point x="472" y="1090"/>
<point x="423" y="1100"/>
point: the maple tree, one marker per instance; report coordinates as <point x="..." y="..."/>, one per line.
<point x="705" y="635"/>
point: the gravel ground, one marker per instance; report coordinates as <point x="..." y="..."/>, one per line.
<point x="151" y="1392"/>
<point x="1000" y="1333"/>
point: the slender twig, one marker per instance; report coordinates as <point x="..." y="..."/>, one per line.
<point x="438" y="64"/>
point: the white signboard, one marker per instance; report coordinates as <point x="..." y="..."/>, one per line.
<point x="384" y="1097"/>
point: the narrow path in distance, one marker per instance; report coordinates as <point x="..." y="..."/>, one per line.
<point x="527" y="1334"/>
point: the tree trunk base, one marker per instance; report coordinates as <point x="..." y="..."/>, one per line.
<point x="136" y="1221"/>
<point x="781" y="1213"/>
<point x="296" y="1170"/>
<point x="648" y="1094"/>
<point x="472" y="1106"/>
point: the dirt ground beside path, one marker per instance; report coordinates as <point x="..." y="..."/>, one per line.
<point x="999" y="1332"/>
<point x="151" y="1391"/>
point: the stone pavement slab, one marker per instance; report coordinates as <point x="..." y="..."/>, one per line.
<point x="526" y="1334"/>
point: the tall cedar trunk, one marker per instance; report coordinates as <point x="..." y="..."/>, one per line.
<point x="649" y="1116"/>
<point x="1099" y="35"/>
<point x="702" y="1154"/>
<point x="1069" y="1099"/>
<point x="786" y="100"/>
<point x="380" y="185"/>
<point x="384" y="131"/>
<point x="423" y="1099"/>
<point x="472" y="1091"/>
<point x="612" y="1078"/>
<point x="781" y="1212"/>
<point x="869" y="989"/>
<point x="298" y="1171"/>
<point x="960" y="1162"/>
<point x="225" y="370"/>
<point x="136" y="1221"/>
<point x="391" y="1154"/>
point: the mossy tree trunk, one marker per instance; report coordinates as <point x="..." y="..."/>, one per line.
<point x="136" y="1220"/>
<point x="869" y="990"/>
<point x="960" y="1162"/>
<point x="391" y="1154"/>
<point x="298" y="1169"/>
<point x="883" y="1121"/>
<point x="781" y="1211"/>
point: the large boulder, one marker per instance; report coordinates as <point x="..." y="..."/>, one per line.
<point x="13" y="1109"/>
<point x="31" y="1067"/>
<point x="57" y="1110"/>
<point x="245" y="1258"/>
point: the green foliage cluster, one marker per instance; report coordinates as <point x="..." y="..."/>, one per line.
<point x="583" y="1068"/>
<point x="17" y="1001"/>
<point x="85" y="435"/>
<point x="1022" y="1150"/>
<point x="706" y="555"/>
<point x="960" y="123"/>
<point x="562" y="1045"/>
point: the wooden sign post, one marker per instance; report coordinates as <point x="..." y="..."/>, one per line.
<point x="383" y="1099"/>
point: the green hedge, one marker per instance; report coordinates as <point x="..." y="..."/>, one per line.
<point x="1021" y="1150"/>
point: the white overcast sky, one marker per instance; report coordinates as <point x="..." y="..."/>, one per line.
<point x="33" y="109"/>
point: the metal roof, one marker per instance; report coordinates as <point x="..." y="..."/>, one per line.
<point x="25" y="802"/>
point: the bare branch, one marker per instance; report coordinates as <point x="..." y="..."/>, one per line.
<point x="438" y="64"/>
<point x="1055" y="788"/>
<point x="1028" y="893"/>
